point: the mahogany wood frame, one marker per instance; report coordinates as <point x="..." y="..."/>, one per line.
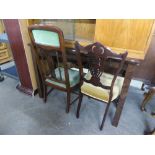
<point x="46" y="53"/>
<point x="16" y="43"/>
<point x="130" y="66"/>
<point x="98" y="56"/>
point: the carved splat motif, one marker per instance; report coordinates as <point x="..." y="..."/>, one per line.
<point x="97" y="56"/>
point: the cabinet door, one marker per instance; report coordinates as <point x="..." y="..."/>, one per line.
<point x="132" y="35"/>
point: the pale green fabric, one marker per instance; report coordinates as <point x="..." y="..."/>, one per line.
<point x="100" y="93"/>
<point x="74" y="77"/>
<point x="45" y="37"/>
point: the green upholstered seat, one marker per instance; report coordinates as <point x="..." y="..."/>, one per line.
<point x="74" y="77"/>
<point x="45" y="37"/>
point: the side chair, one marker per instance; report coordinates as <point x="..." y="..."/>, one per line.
<point x="102" y="82"/>
<point x="51" y="59"/>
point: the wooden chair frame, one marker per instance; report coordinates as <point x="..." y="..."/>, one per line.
<point x="36" y="48"/>
<point x="97" y="56"/>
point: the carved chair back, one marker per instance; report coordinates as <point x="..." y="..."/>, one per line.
<point x="99" y="58"/>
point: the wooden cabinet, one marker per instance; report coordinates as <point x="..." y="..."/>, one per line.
<point x="133" y="35"/>
<point x="5" y="54"/>
<point x="82" y="30"/>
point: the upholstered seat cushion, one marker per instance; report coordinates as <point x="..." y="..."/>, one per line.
<point x="100" y="93"/>
<point x="45" y="37"/>
<point x="74" y="77"/>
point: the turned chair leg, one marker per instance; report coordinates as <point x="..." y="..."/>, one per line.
<point x="105" y="114"/>
<point x="147" y="97"/>
<point x="79" y="105"/>
<point x="68" y="101"/>
<point x="45" y="93"/>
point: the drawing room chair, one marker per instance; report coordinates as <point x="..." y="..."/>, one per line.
<point x="98" y="83"/>
<point x="51" y="59"/>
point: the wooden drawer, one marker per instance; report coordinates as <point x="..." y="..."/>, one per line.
<point x="2" y="46"/>
<point x="4" y="54"/>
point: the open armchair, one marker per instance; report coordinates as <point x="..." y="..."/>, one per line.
<point x="102" y="82"/>
<point x="51" y="59"/>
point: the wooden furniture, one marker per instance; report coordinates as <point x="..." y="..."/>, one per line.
<point x="98" y="83"/>
<point x="150" y="132"/>
<point x="4" y="49"/>
<point x="50" y="55"/>
<point x="133" y="35"/>
<point x="147" y="97"/>
<point x="142" y="72"/>
<point x="12" y="28"/>
<point x="81" y="30"/>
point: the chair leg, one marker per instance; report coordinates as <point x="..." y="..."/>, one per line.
<point x="105" y="114"/>
<point x="45" y="93"/>
<point x="79" y="105"/>
<point x="147" y="97"/>
<point x="149" y="132"/>
<point x="68" y="101"/>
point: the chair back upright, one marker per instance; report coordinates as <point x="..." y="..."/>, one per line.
<point x="48" y="44"/>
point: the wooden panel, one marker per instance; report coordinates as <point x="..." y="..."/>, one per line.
<point x="33" y="21"/>
<point x="73" y="29"/>
<point x="2" y="45"/>
<point x="146" y="70"/>
<point x="26" y="40"/>
<point x="129" y="34"/>
<point x="66" y="25"/>
<point x="13" y="31"/>
<point x="3" y="54"/>
<point x="84" y="30"/>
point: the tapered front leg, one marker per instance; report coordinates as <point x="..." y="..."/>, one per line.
<point x="68" y="101"/>
<point x="123" y="95"/>
<point x="79" y="105"/>
<point x="104" y="117"/>
<point x="45" y="93"/>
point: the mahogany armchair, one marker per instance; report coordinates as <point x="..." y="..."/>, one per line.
<point x="51" y="60"/>
<point x="102" y="82"/>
